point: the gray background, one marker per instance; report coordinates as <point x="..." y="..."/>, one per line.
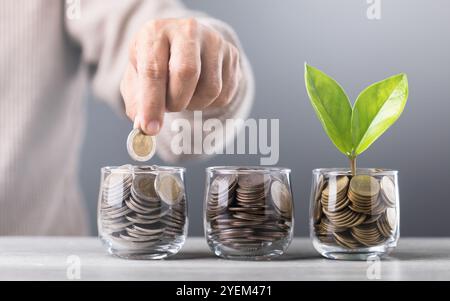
<point x="336" y="36"/>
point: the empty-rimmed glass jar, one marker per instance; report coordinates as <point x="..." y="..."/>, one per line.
<point x="248" y="212"/>
<point x="142" y="211"/>
<point x="354" y="217"/>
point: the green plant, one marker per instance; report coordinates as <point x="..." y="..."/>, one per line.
<point x="354" y="129"/>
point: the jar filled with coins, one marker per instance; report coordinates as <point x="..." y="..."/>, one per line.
<point x="142" y="211"/>
<point x="248" y="212"/>
<point x="354" y="216"/>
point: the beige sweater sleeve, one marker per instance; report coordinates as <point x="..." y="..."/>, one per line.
<point x="104" y="31"/>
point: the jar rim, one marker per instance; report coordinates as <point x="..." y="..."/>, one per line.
<point x="347" y="171"/>
<point x="134" y="169"/>
<point x="247" y="169"/>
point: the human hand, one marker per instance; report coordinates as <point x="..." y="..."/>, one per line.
<point x="176" y="65"/>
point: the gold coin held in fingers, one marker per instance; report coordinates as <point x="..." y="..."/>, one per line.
<point x="140" y="147"/>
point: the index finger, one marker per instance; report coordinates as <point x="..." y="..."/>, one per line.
<point x="152" y="56"/>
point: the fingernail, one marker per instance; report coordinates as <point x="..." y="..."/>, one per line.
<point x="136" y="123"/>
<point x="153" y="127"/>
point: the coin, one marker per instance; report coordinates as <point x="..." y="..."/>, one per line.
<point x="116" y="180"/>
<point x="223" y="183"/>
<point x="346" y="240"/>
<point x="336" y="186"/>
<point x="357" y="212"/>
<point x="136" y="207"/>
<point x="221" y="192"/>
<point x="169" y="188"/>
<point x="281" y="197"/>
<point x="387" y="223"/>
<point x="335" y="205"/>
<point x="138" y="220"/>
<point x="143" y="187"/>
<point x="391" y="217"/>
<point x="319" y="187"/>
<point x="116" y="187"/>
<point x="367" y="234"/>
<point x="372" y="219"/>
<point x="369" y="207"/>
<point x="388" y="191"/>
<point x="345" y="218"/>
<point x="317" y="215"/>
<point x="326" y="227"/>
<point x="317" y="210"/>
<point x="364" y="194"/>
<point x="250" y="217"/>
<point x="251" y="180"/>
<point x="364" y="186"/>
<point x="246" y="211"/>
<point x="140" y="147"/>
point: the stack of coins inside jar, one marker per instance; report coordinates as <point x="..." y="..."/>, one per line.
<point x="249" y="212"/>
<point x="142" y="211"/>
<point x="354" y="212"/>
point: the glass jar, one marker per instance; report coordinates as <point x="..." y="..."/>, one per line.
<point x="354" y="217"/>
<point x="248" y="212"/>
<point x="142" y="211"/>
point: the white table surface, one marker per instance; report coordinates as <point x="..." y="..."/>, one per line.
<point x="42" y="258"/>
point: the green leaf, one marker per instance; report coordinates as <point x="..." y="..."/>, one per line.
<point x="376" y="109"/>
<point x="332" y="107"/>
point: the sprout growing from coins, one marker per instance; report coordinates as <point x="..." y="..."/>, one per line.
<point x="353" y="129"/>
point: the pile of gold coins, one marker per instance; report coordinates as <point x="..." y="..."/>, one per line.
<point x="355" y="212"/>
<point x="141" y="208"/>
<point x="248" y="211"/>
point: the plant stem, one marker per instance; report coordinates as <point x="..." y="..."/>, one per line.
<point x="353" y="165"/>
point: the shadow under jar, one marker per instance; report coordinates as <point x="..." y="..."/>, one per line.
<point x="248" y="212"/>
<point x="142" y="211"/>
<point x="354" y="217"/>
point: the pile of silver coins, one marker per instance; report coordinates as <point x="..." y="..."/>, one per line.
<point x="246" y="212"/>
<point x="142" y="209"/>
<point x="355" y="212"/>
